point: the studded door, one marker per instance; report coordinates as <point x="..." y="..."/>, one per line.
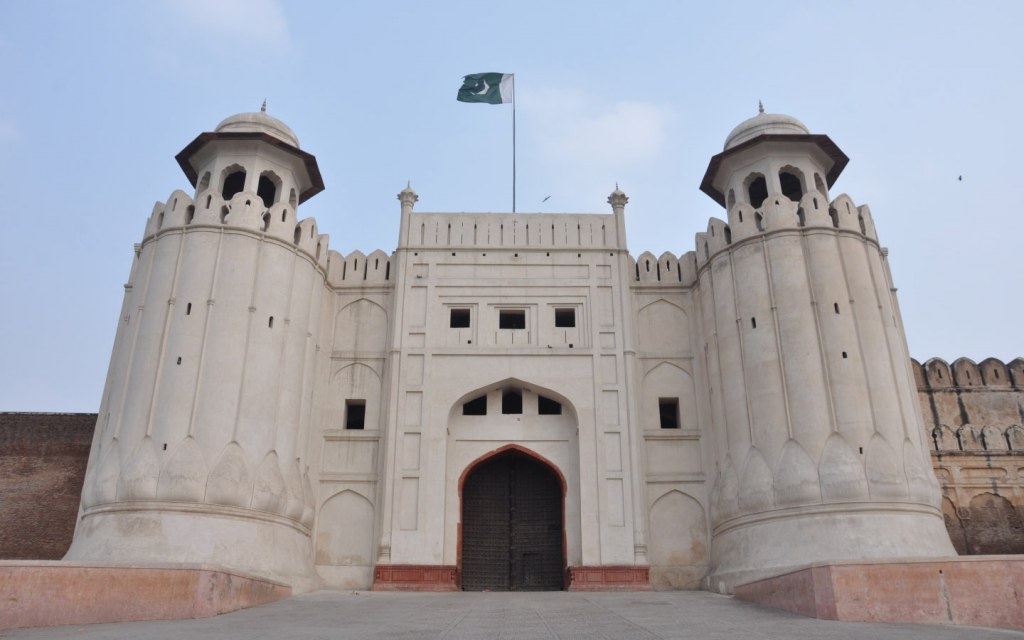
<point x="512" y="527"/>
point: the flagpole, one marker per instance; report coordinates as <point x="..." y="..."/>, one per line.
<point x="513" y="143"/>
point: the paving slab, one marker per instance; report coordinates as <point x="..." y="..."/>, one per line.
<point x="510" y="616"/>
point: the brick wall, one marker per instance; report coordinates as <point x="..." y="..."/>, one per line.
<point x="973" y="415"/>
<point x="42" y="465"/>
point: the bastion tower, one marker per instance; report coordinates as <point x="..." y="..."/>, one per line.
<point x="198" y="455"/>
<point x="817" y="432"/>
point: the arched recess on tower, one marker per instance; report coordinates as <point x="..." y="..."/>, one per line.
<point x="514" y="414"/>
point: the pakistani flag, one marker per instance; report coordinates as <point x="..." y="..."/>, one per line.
<point x="492" y="88"/>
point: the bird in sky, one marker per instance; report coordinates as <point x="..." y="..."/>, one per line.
<point x="960" y="178"/>
<point x="545" y="199"/>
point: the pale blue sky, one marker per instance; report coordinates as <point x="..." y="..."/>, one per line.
<point x="99" y="96"/>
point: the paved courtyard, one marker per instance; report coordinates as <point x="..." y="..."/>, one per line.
<point x="513" y="616"/>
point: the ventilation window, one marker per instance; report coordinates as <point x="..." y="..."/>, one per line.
<point x="512" y="402"/>
<point x="459" y="319"/>
<point x="845" y="355"/>
<point x="267" y="190"/>
<point x="188" y="309"/>
<point x="668" y="411"/>
<point x="757" y="191"/>
<point x="512" y="319"/>
<point x="565" y="317"/>
<point x="270" y="323"/>
<point x="753" y="323"/>
<point x="475" y="407"/>
<point x="835" y="305"/>
<point x="791" y="187"/>
<point x="233" y="184"/>
<point x="355" y="414"/>
<point x="548" y="407"/>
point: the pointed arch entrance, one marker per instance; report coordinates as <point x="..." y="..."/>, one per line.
<point x="512" y="526"/>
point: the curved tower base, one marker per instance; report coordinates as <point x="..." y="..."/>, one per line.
<point x="770" y="544"/>
<point x="273" y="547"/>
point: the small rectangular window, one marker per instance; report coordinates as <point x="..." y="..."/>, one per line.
<point x="475" y="407"/>
<point x="548" y="407"/>
<point x="459" y="319"/>
<point x="565" y="317"/>
<point x="512" y="402"/>
<point x="668" y="408"/>
<point x="355" y="414"/>
<point x="512" y="319"/>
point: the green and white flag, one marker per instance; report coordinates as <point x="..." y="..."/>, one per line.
<point x="492" y="88"/>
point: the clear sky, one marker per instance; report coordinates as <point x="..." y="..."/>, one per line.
<point x="99" y="96"/>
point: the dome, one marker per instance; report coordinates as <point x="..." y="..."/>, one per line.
<point x="259" y="122"/>
<point x="764" y="123"/>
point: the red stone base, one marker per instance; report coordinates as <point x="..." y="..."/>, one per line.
<point x="985" y="591"/>
<point x="414" y="577"/>
<point x="42" y="594"/>
<point x="622" y="578"/>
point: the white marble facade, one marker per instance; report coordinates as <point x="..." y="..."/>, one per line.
<point x="278" y="408"/>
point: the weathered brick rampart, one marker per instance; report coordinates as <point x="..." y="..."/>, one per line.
<point x="42" y="465"/>
<point x="974" y="419"/>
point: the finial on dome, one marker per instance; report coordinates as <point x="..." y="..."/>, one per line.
<point x="760" y="107"/>
<point x="263" y="109"/>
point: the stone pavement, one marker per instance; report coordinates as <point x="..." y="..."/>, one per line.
<point x="512" y="616"/>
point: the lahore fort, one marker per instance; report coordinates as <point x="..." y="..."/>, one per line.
<point x="515" y="402"/>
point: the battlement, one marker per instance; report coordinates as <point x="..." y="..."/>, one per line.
<point x="245" y="211"/>
<point x="668" y="270"/>
<point x="513" y="230"/>
<point x="972" y="406"/>
<point x="781" y="213"/>
<point x="964" y="373"/>
<point x="359" y="270"/>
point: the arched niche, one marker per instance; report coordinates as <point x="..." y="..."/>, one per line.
<point x="361" y="326"/>
<point x="354" y="383"/>
<point x="678" y="542"/>
<point x="344" y="531"/>
<point x="666" y="382"/>
<point x="663" y="327"/>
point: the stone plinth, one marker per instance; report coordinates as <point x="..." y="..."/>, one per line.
<point x="39" y="594"/>
<point x="981" y="590"/>
<point x="414" y="577"/>
<point x="609" y="578"/>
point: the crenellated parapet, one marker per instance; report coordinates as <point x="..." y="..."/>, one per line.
<point x="360" y="270"/>
<point x="812" y="212"/>
<point x="971" y="406"/>
<point x="668" y="270"/>
<point x="511" y="230"/>
<point x="243" y="212"/>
